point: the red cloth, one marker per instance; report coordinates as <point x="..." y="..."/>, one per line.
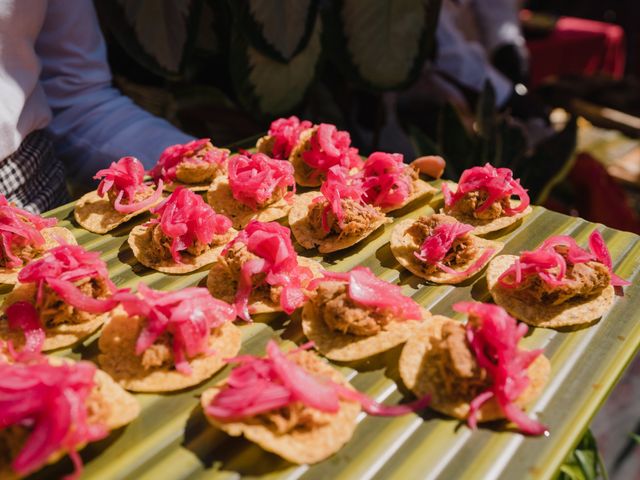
<point x="598" y="197"/>
<point x="578" y="47"/>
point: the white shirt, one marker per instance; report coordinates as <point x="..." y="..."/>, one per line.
<point x="54" y="73"/>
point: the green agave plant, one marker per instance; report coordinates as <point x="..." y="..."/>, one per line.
<point x="498" y="140"/>
<point x="275" y="49"/>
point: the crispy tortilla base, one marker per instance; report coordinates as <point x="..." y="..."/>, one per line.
<point x="222" y="286"/>
<point x="346" y="347"/>
<point x="414" y="371"/>
<point x="120" y="408"/>
<point x="298" y="222"/>
<point x="95" y="213"/>
<point x="118" y="358"/>
<point x="221" y="200"/>
<point x="420" y="189"/>
<point x="403" y="248"/>
<point x="57" y="337"/>
<point x="304" y="446"/>
<point x="140" y="244"/>
<point x="265" y="145"/>
<point x="302" y="171"/>
<point x="53" y="236"/>
<point x="572" y="313"/>
<point x="194" y="187"/>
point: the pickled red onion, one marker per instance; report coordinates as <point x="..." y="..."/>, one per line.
<point x="196" y="151"/>
<point x="260" y="385"/>
<point x="188" y="315"/>
<point x="254" y="179"/>
<point x="338" y="186"/>
<point x="271" y="242"/>
<point x="368" y="290"/>
<point x="551" y="266"/>
<point x="19" y="228"/>
<point x="185" y="218"/>
<point x="126" y="178"/>
<point x="386" y="181"/>
<point x="62" y="266"/>
<point x="330" y="147"/>
<point x="498" y="183"/>
<point x="493" y="336"/>
<point x="23" y="316"/>
<point x="285" y="133"/>
<point x="52" y="402"/>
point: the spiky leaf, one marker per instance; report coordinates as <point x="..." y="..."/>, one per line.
<point x="383" y="44"/>
<point x="267" y="86"/>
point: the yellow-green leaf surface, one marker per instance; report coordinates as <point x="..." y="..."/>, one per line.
<point x="172" y="440"/>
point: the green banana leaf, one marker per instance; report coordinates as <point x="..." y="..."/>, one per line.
<point x="171" y="438"/>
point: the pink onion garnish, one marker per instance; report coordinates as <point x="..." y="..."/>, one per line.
<point x="368" y="290"/>
<point x="126" y="178"/>
<point x="60" y="268"/>
<point x="271" y="243"/>
<point x="285" y="133"/>
<point x="551" y="266"/>
<point x="330" y="147"/>
<point x="260" y="385"/>
<point x="254" y="179"/>
<point x="51" y="401"/>
<point x="386" y="180"/>
<point x="19" y="229"/>
<point x="436" y="246"/>
<point x="185" y="218"/>
<point x="23" y="316"/>
<point x="188" y="315"/>
<point x="498" y="183"/>
<point x="493" y="336"/>
<point x="338" y="186"/>
<point x="197" y="151"/>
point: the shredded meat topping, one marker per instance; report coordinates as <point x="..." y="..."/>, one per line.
<point x="357" y="219"/>
<point x="144" y="192"/>
<point x="54" y="311"/>
<point x="468" y="204"/>
<point x="582" y="280"/>
<point x="23" y="251"/>
<point x="462" y="251"/>
<point x="98" y="407"/>
<point x="342" y="314"/>
<point x="158" y="354"/>
<point x="160" y="244"/>
<point x="456" y="373"/>
<point x="237" y="255"/>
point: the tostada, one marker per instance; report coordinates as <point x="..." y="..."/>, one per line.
<point x="355" y="315"/>
<point x="184" y="235"/>
<point x="476" y="371"/>
<point x="24" y="237"/>
<point x="59" y="300"/>
<point x="483" y="199"/>
<point x="256" y="188"/>
<point x="121" y="195"/>
<point x="559" y="284"/>
<point x="193" y="165"/>
<point x="441" y="249"/>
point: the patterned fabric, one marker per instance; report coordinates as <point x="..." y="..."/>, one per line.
<point x="33" y="177"/>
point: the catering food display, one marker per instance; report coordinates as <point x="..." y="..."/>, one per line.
<point x="367" y="316"/>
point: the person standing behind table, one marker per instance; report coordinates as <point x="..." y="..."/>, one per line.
<point x="58" y="107"/>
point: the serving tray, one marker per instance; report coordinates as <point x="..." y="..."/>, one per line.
<point x="172" y="440"/>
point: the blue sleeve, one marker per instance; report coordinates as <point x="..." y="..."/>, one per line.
<point x="93" y="123"/>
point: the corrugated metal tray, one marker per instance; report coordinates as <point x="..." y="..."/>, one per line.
<point x="172" y="440"/>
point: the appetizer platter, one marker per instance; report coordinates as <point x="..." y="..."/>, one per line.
<point x="311" y="347"/>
